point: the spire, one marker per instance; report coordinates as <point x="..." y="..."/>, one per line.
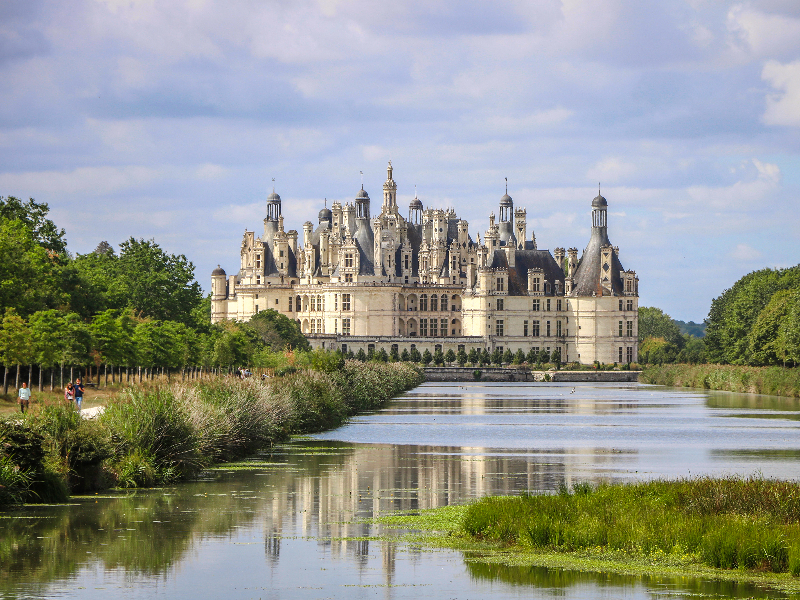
<point x="362" y="179"/>
<point x="389" y="171"/>
<point x="273" y="185"/>
<point x="506" y="186"/>
<point x="415" y="191"/>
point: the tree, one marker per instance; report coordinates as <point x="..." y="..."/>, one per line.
<point x="404" y="355"/>
<point x="381" y="355"/>
<point x="486" y="359"/>
<point x="450" y="357"/>
<point x="497" y="357"/>
<point x="15" y="343"/>
<point x="508" y="356"/>
<point x="556" y="358"/>
<point x="533" y="356"/>
<point x="768" y="339"/>
<point x="461" y="357"/>
<point x="544" y="357"/>
<point x="30" y="274"/>
<point x="473" y="356"/>
<point x="438" y="357"/>
<point x="34" y="216"/>
<point x="47" y="332"/>
<point x="427" y="357"/>
<point x="415" y="355"/>
<point x="394" y="356"/>
<point x="278" y="331"/>
<point x="653" y="322"/>
<point x="519" y="357"/>
<point x="361" y="355"/>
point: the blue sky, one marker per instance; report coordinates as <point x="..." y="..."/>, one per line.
<point x="168" y="120"/>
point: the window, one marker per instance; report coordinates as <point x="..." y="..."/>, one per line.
<point x="500" y="284"/>
<point x="336" y="326"/>
<point x="537" y="282"/>
<point x="619" y="330"/>
<point x="423" y="327"/>
<point x="290" y="304"/>
<point x="395" y="348"/>
<point x="406" y="261"/>
<point x="548" y="305"/>
<point x="443" y="327"/>
<point x="630" y="304"/>
<point x="276" y="301"/>
<point x="437" y="348"/>
<point x="344" y="348"/>
<point x="434" y="327"/>
<point x="558" y="328"/>
<point x="620" y="354"/>
<point x="535" y="329"/>
<point x="423" y="302"/>
<point x="536" y="348"/>
<point x="629" y="285"/>
<point x="348" y="260"/>
<point x="345" y="301"/>
<point x="558" y="305"/>
<point x="434" y="302"/>
<point x="336" y="302"/>
<point x="443" y="304"/>
<point x="629" y="355"/>
<point x="461" y="348"/>
<point x="498" y="327"/>
<point x="537" y="305"/>
<point x="258" y="279"/>
<point x="256" y="307"/>
<point x="345" y="326"/>
<point x="348" y="278"/>
<point x="525" y="328"/>
<point x="629" y="328"/>
<point x="281" y="254"/>
<point x="548" y="329"/>
<point x="620" y="304"/>
<point x="500" y="304"/>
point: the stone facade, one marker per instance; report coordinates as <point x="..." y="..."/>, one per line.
<point x="422" y="282"/>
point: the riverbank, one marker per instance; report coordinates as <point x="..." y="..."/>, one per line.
<point x="515" y="374"/>
<point x="742" y="530"/>
<point x="155" y="435"/>
<point x="775" y="381"/>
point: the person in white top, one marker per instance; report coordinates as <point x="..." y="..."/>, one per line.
<point x="24" y="397"/>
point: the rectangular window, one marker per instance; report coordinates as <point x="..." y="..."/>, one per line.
<point x="423" y="327"/>
<point x="434" y="302"/>
<point x="256" y="307"/>
<point x="536" y="284"/>
<point x="629" y="355"/>
<point x="336" y="302"/>
<point x="423" y="302"/>
<point x="281" y="253"/>
<point x="348" y="260"/>
<point x="548" y="305"/>
<point x="345" y="301"/>
<point x="525" y="328"/>
<point x="500" y="304"/>
<point x="345" y="326"/>
<point x="629" y="328"/>
<point x="258" y="279"/>
<point x="629" y="285"/>
<point x="336" y="326"/>
<point x="498" y="327"/>
<point x="537" y="305"/>
<point x="348" y="278"/>
<point x="500" y="284"/>
<point x="630" y="304"/>
<point x="620" y="354"/>
<point x="406" y="259"/>
<point x="536" y="348"/>
<point x="535" y="329"/>
<point x="434" y="327"/>
<point x="558" y="305"/>
<point x="558" y="328"/>
<point x="290" y="304"/>
<point x="443" y="304"/>
<point x="619" y="329"/>
<point x="548" y="329"/>
<point x="344" y="348"/>
<point x="443" y="327"/>
<point x="620" y="304"/>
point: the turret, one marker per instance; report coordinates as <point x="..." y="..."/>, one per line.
<point x="389" y="192"/>
<point x="219" y="288"/>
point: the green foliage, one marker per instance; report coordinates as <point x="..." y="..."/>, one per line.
<point x="427" y="357"/>
<point x="15" y="345"/>
<point x="278" y="331"/>
<point x="691" y="328"/>
<point x="415" y="355"/>
<point x="473" y="357"/>
<point x="508" y="356"/>
<point x="34" y="216"/>
<point x="519" y="357"/>
<point x="405" y="356"/>
<point x="361" y="355"/>
<point x="653" y="322"/>
<point x="734" y="314"/>
<point x="776" y="381"/>
<point x="438" y="358"/>
<point x="497" y="357"/>
<point x="727" y="523"/>
<point x="556" y="358"/>
<point x="461" y="357"/>
<point x="450" y="357"/>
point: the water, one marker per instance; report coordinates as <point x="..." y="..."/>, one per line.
<point x="295" y="526"/>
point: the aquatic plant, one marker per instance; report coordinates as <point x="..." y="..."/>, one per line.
<point x="777" y="381"/>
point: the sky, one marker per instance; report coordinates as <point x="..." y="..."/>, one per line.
<point x="170" y="119"/>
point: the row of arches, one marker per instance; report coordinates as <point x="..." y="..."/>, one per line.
<point x="429" y="302"/>
<point x="429" y="327"/>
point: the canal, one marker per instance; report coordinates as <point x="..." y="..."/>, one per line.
<point x="296" y="522"/>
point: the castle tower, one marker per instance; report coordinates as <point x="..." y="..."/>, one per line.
<point x="389" y="192"/>
<point x="521" y="227"/>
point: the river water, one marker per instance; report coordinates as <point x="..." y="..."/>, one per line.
<point x="295" y="523"/>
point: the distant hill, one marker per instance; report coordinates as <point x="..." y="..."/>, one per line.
<point x="691" y="328"/>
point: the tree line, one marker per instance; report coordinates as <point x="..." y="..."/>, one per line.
<point x="139" y="308"/>
<point x="756" y="322"/>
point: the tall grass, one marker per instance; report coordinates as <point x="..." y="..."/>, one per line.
<point x="777" y="381"/>
<point x="728" y="523"/>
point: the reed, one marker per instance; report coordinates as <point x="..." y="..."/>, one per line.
<point x="776" y="381"/>
<point x="726" y="523"/>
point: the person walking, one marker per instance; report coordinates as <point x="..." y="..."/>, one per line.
<point x="69" y="393"/>
<point x="24" y="397"/>
<point x="78" y="392"/>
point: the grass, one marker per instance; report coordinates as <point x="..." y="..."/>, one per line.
<point x="776" y="381"/>
<point x="737" y="529"/>
<point x="156" y="434"/>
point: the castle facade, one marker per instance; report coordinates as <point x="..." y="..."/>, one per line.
<point x="421" y="281"/>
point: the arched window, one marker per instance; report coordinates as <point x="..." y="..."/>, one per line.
<point x="444" y="302"/>
<point x="434" y="302"/>
<point x="423" y="301"/>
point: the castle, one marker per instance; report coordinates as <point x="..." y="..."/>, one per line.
<point x="397" y="283"/>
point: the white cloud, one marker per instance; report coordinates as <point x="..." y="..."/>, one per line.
<point x="765" y="34"/>
<point x="741" y="195"/>
<point x="783" y="108"/>
<point x="96" y="181"/>
<point x="611" y="170"/>
<point x="745" y="253"/>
